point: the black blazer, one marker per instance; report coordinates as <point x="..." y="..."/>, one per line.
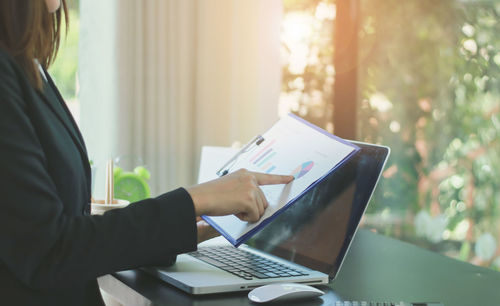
<point x="51" y="249"/>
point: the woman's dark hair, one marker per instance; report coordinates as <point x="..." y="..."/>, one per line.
<point x="28" y="31"/>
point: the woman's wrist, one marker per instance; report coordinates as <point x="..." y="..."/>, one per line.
<point x="199" y="201"/>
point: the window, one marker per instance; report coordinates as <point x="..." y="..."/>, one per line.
<point x="307" y="54"/>
<point x="64" y="69"/>
<point x="428" y="87"/>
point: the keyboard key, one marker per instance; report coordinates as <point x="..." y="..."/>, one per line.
<point x="256" y="274"/>
<point x="260" y="275"/>
<point x="232" y="269"/>
<point x="243" y="274"/>
<point x="271" y="274"/>
<point x="281" y="274"/>
<point x="212" y="261"/>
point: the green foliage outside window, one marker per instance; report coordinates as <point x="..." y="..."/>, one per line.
<point x="429" y="87"/>
<point x="307" y="54"/>
<point x="64" y="69"/>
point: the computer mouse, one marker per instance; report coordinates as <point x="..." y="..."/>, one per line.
<point x="283" y="292"/>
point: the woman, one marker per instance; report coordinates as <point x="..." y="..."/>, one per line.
<point x="51" y="248"/>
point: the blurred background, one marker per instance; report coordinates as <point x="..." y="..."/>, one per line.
<point x="160" y="78"/>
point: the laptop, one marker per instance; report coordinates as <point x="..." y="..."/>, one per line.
<point x="306" y="244"/>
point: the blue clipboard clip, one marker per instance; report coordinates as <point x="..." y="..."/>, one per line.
<point x="247" y="148"/>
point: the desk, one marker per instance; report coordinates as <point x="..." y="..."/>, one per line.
<point x="377" y="268"/>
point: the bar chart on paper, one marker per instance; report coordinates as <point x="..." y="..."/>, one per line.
<point x="263" y="159"/>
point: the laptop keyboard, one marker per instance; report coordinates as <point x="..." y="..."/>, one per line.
<point x="243" y="263"/>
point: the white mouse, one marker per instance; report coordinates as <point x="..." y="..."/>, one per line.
<point x="283" y="292"/>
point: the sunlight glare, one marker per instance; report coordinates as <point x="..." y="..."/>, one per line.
<point x="326" y="11"/>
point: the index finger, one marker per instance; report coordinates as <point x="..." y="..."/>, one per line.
<point x="272" y="179"/>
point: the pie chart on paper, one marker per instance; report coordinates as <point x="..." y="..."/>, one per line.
<point x="302" y="170"/>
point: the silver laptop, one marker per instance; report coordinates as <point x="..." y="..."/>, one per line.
<point x="306" y="244"/>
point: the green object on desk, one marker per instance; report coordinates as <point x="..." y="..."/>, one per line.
<point x="132" y="186"/>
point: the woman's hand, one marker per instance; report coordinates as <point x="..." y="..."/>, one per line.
<point x="237" y="193"/>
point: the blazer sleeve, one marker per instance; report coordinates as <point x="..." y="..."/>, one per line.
<point x="46" y="248"/>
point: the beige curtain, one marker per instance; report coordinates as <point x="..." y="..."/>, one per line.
<point x="185" y="74"/>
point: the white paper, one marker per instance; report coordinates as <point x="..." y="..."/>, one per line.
<point x="290" y="148"/>
<point x="212" y="158"/>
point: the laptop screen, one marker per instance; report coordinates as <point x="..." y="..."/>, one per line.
<point x="317" y="229"/>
